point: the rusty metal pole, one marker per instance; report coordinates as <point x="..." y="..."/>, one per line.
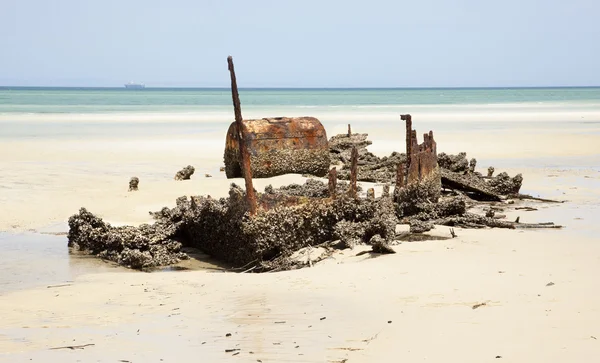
<point x="408" y="120"/>
<point x="353" y="172"/>
<point x="244" y="156"/>
<point x="349" y="130"/>
<point x="432" y="143"/>
<point x="332" y="182"/>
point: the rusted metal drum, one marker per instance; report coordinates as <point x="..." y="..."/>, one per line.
<point x="277" y="146"/>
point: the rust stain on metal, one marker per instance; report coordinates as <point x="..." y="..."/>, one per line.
<point x="241" y="140"/>
<point x="280" y="145"/>
<point x="399" y="179"/>
<point x="353" y="173"/>
<point x="332" y="182"/>
<point x="421" y="158"/>
<point x="421" y="177"/>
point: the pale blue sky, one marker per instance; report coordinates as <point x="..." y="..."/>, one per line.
<point x="308" y="43"/>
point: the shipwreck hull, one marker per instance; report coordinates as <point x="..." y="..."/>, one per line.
<point x="279" y="146"/>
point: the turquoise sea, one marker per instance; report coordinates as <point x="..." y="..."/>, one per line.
<point x="103" y="100"/>
<point x="117" y="112"/>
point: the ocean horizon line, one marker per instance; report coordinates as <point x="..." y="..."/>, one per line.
<point x="46" y="88"/>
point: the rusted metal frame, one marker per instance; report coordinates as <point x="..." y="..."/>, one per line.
<point x="412" y="169"/>
<point x="244" y="156"/>
<point x="408" y="119"/>
<point x="353" y="173"/>
<point x="332" y="182"/>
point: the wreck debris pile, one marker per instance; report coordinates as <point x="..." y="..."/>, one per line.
<point x="185" y="173"/>
<point x="267" y="229"/>
<point x="478" y="187"/>
<point x="220" y="229"/>
<point x="457" y="172"/>
<point x="140" y="247"/>
<point x="223" y="229"/>
<point x="371" y="168"/>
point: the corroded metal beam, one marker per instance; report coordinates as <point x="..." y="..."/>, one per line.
<point x="244" y="157"/>
<point x="332" y="182"/>
<point x="408" y="119"/>
<point x="353" y="173"/>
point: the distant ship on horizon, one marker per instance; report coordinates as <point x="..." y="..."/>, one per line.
<point x="134" y="85"/>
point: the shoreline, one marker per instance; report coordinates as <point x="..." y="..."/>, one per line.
<point x="533" y="112"/>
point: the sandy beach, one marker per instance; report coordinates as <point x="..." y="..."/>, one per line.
<point x="487" y="295"/>
<point x="537" y="290"/>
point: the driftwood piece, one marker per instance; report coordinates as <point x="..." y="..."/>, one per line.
<point x="537" y="225"/>
<point x="73" y="347"/>
<point x="470" y="220"/>
<point x="526" y="209"/>
<point x="525" y="196"/>
<point x="244" y="157"/>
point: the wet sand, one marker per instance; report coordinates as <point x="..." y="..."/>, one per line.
<point x="533" y="293"/>
<point x="37" y="260"/>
